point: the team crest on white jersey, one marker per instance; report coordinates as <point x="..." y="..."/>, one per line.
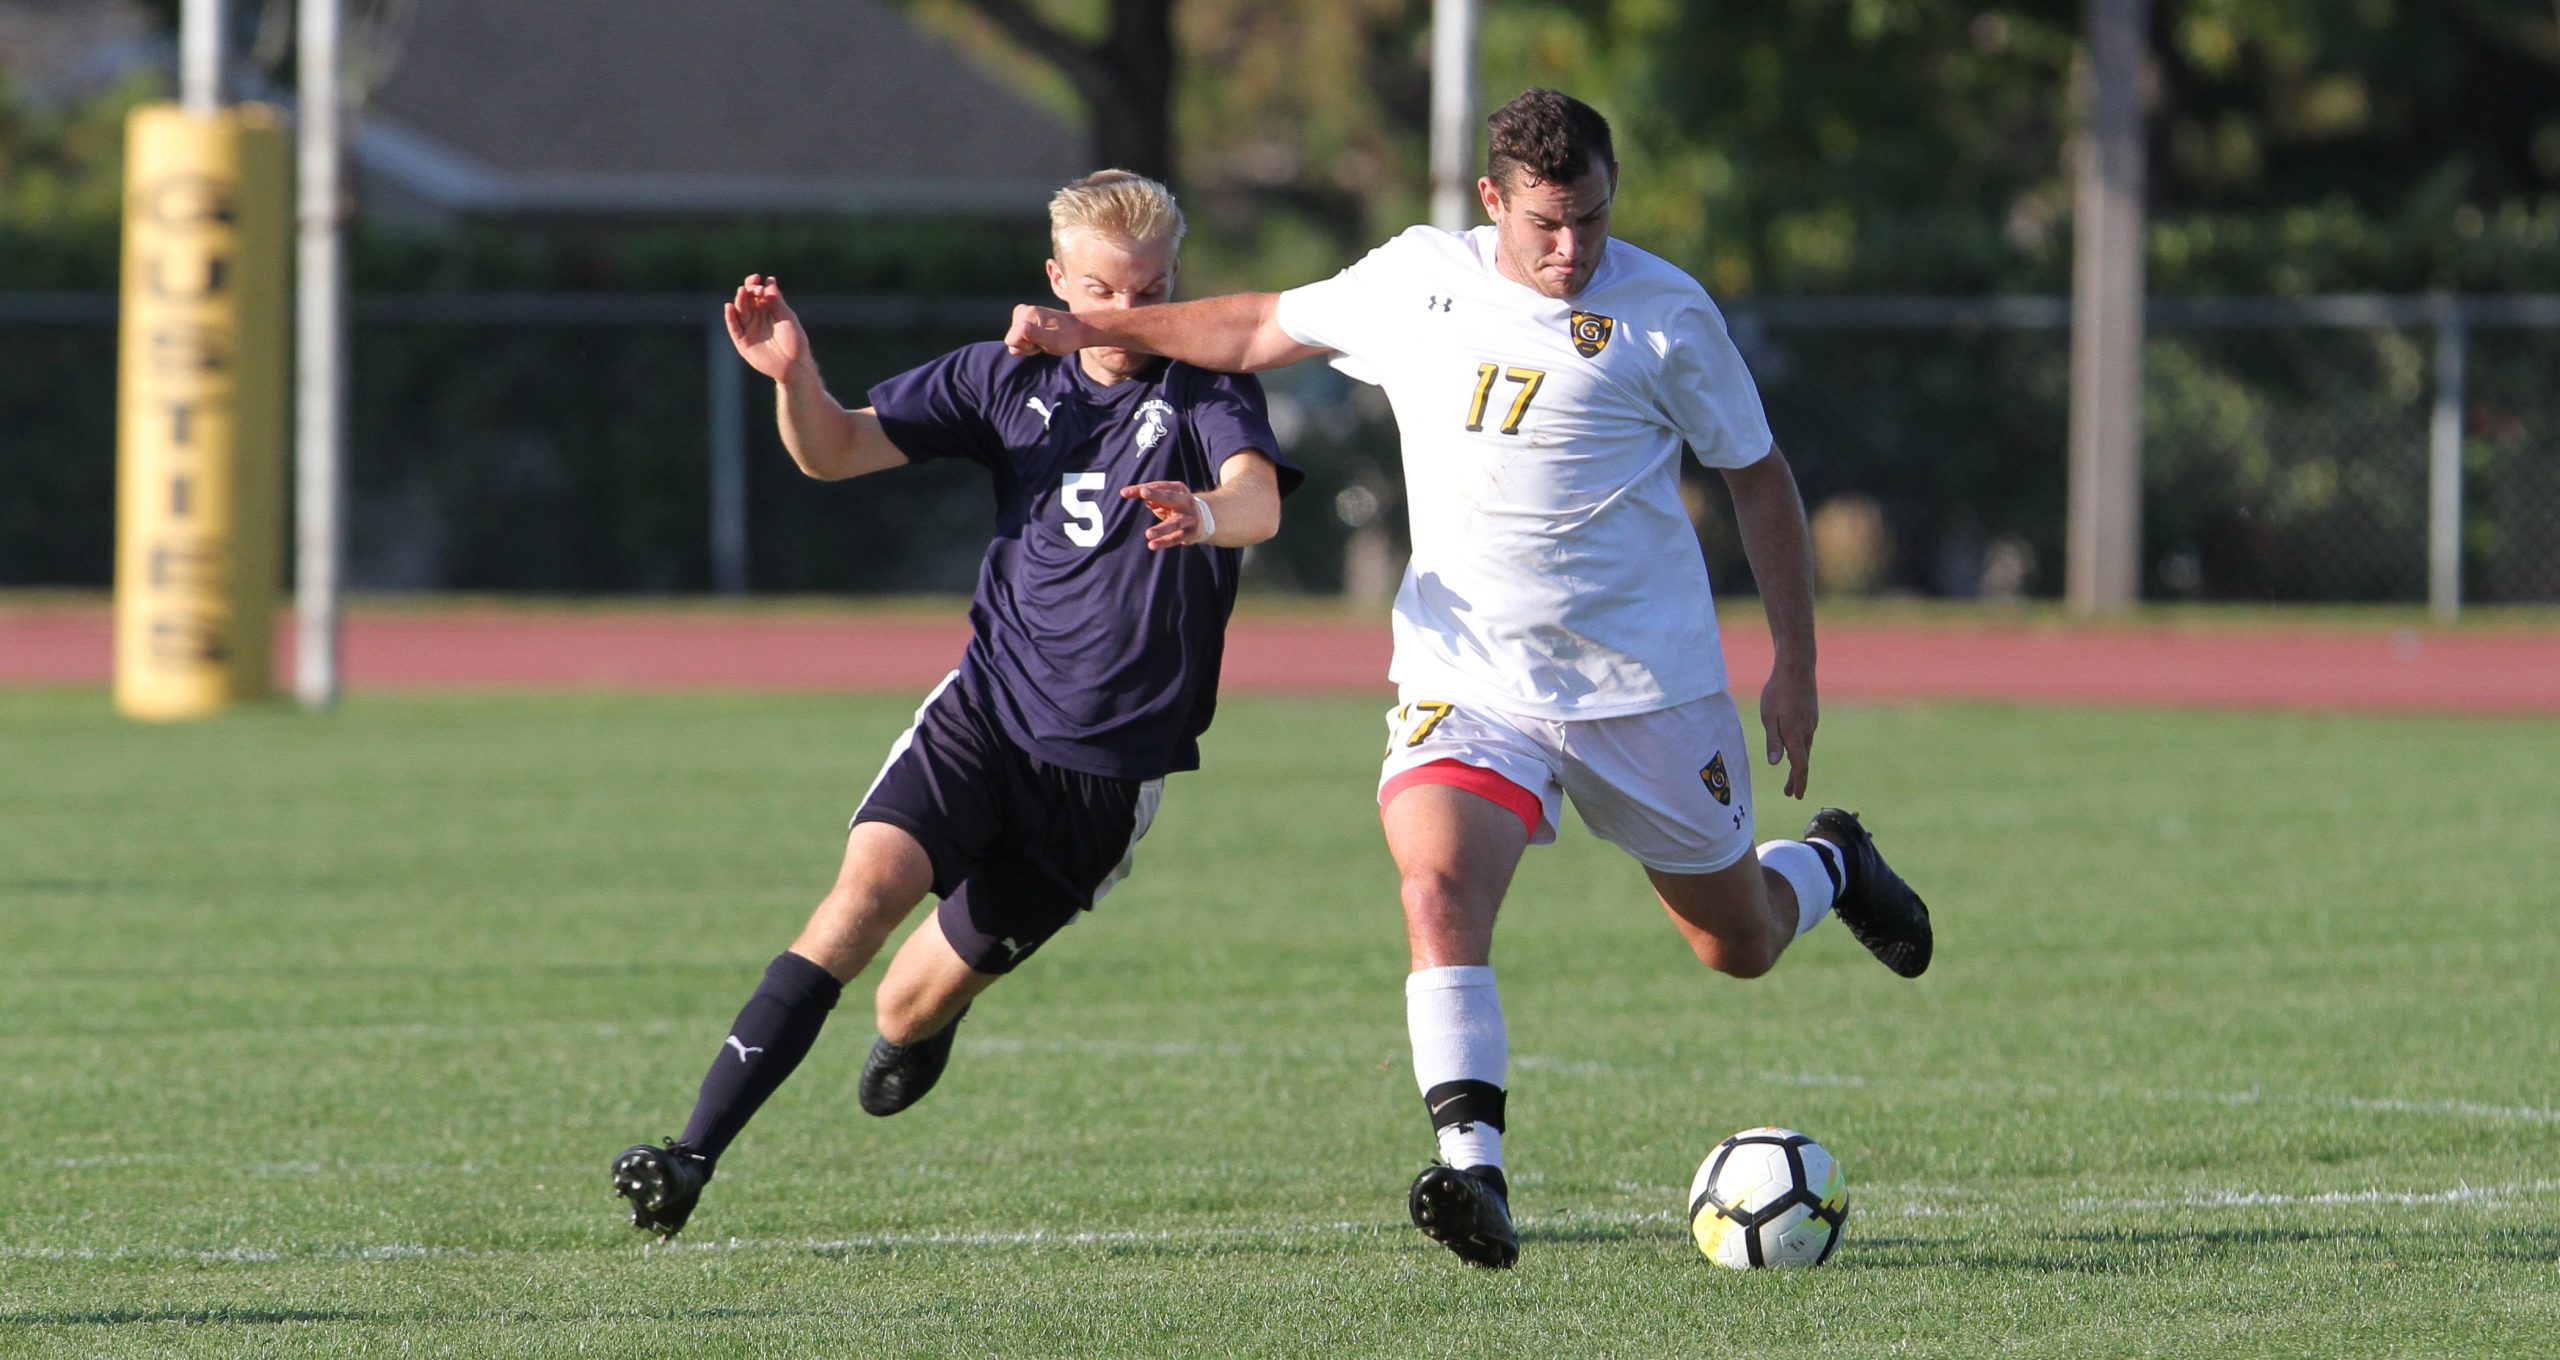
<point x="1151" y="420"/>
<point x="1591" y="333"/>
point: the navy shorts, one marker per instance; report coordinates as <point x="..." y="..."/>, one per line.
<point x="1018" y="845"/>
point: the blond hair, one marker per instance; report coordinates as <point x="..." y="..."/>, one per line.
<point x="1117" y="203"/>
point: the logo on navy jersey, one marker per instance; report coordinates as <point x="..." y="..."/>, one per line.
<point x="1042" y="408"/>
<point x="1590" y="332"/>
<point x="1151" y="420"/>
<point x="1718" y="782"/>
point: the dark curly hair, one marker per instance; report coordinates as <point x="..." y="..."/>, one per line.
<point x="1547" y="136"/>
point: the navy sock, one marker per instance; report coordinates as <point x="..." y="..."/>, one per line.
<point x="767" y="1040"/>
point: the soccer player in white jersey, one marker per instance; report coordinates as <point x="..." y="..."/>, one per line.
<point x="1554" y="634"/>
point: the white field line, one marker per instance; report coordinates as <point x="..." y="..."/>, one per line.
<point x="1887" y="1202"/>
<point x="2434" y="1109"/>
<point x="2468" y="1108"/>
<point x="295" y="1168"/>
<point x="2486" y="1195"/>
<point x="410" y="1251"/>
<point x="1180" y="1051"/>
<point x="1557" y="1064"/>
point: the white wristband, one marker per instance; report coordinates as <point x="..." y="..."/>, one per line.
<point x="1208" y="518"/>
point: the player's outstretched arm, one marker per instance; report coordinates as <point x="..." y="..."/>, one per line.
<point x="1242" y="511"/>
<point x="1770" y="514"/>
<point x="826" y="440"/>
<point x="1239" y="333"/>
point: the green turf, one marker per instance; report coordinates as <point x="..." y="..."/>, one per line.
<point x="316" y="1035"/>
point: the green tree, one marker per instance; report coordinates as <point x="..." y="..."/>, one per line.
<point x="1923" y="145"/>
<point x="1889" y="145"/>
<point x="1119" y="58"/>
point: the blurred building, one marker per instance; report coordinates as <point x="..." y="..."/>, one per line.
<point x="50" y="49"/>
<point x="748" y="107"/>
<point x="624" y="109"/>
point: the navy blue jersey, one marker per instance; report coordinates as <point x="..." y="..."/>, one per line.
<point x="1090" y="651"/>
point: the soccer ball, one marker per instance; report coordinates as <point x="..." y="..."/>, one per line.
<point x="1768" y="1197"/>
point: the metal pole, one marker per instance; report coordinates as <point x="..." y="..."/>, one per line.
<point x="200" y="57"/>
<point x="727" y="377"/>
<point x="320" y="335"/>
<point x="2103" y="571"/>
<point x="1453" y="114"/>
<point x="2444" y="469"/>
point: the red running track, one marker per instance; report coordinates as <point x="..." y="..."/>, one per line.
<point x="2338" y="669"/>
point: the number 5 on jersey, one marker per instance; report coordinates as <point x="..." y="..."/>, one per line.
<point x="1084" y="515"/>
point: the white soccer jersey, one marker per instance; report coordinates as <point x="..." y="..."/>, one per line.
<point x="1554" y="572"/>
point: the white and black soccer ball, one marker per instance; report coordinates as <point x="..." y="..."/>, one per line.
<point x="1768" y="1197"/>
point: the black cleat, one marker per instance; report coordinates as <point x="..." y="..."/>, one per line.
<point x="1469" y="1212"/>
<point x="896" y="1076"/>
<point x="662" y="1183"/>
<point x="1874" y="903"/>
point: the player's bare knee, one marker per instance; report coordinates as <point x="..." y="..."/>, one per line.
<point x="1747" y="962"/>
<point x="902" y="1013"/>
<point x="1437" y="897"/>
<point x="911" y="1009"/>
<point x="1737" y="956"/>
<point x="848" y="927"/>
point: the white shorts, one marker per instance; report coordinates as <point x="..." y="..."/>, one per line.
<point x="1671" y="787"/>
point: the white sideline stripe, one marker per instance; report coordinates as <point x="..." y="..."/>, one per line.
<point x="1601" y="1067"/>
<point x="407" y="1251"/>
<point x="2528" y="1113"/>
<point x="1180" y="1050"/>
<point x="2258" y="1199"/>
<point x="2472" y="1109"/>
<point x="394" y="1251"/>
<point x="1898" y="1202"/>
<point x="1034" y="1237"/>
<point x="412" y="1251"/>
<point x="296" y="1168"/>
<point x="1123" y="1048"/>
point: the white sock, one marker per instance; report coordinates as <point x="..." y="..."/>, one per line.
<point x="1801" y="866"/>
<point x="1454" y="1019"/>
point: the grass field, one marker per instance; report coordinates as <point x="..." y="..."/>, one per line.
<point x="318" y="1035"/>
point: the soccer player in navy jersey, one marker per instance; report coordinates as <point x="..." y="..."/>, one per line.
<point x="1125" y="486"/>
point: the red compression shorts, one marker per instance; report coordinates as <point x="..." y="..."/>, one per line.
<point x="1483" y="783"/>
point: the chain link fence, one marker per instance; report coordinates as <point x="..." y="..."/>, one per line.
<point x="601" y="444"/>
<point x="2287" y="444"/>
<point x="2511" y="465"/>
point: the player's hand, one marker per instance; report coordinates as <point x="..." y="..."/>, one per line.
<point x="1044" y="330"/>
<point x="1180" y="518"/>
<point x="765" y="329"/>
<point x="1789" y="711"/>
